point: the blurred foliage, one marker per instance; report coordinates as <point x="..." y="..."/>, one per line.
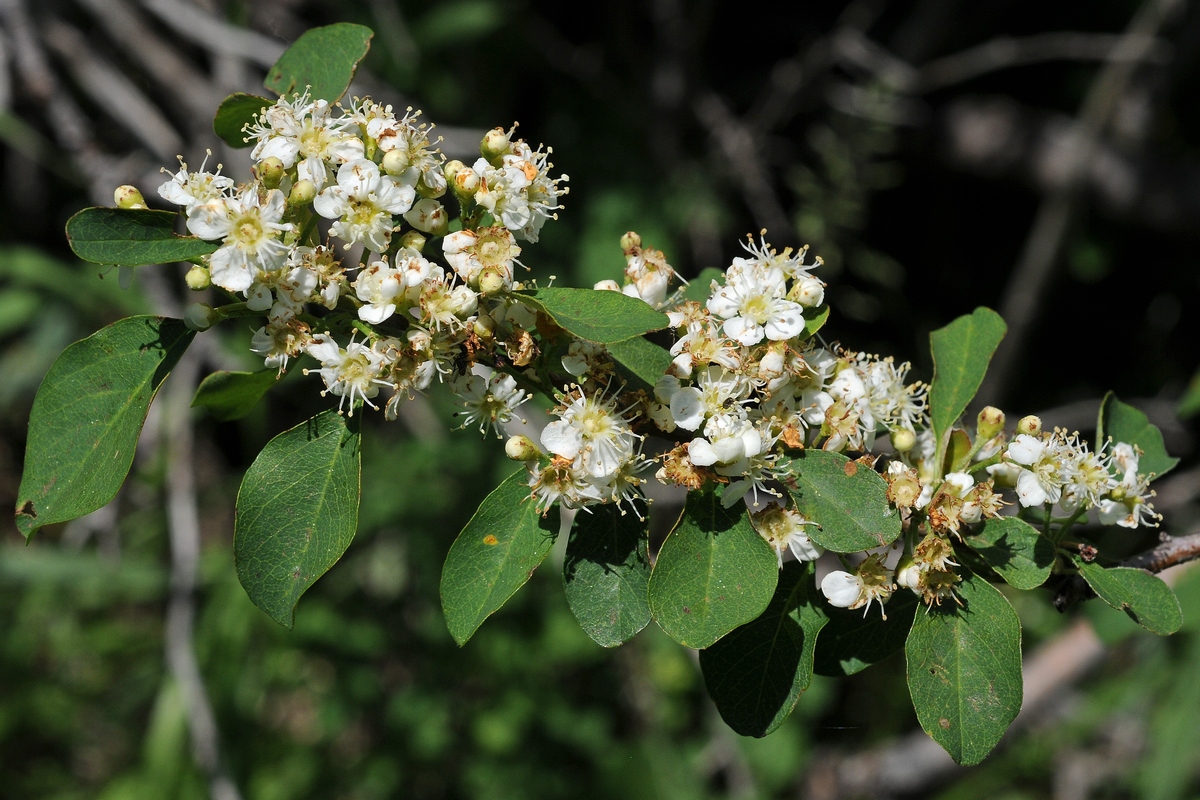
<point x="368" y="697"/>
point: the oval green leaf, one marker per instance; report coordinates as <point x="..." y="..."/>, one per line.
<point x="324" y="59"/>
<point x="640" y="361"/>
<point x="232" y="395"/>
<point x="964" y="670"/>
<point x="815" y="319"/>
<point x="755" y="675"/>
<point x="297" y="511"/>
<point x="601" y="317"/>
<point x="1123" y="423"/>
<point x="494" y="555"/>
<point x="1016" y="550"/>
<point x="961" y="353"/>
<point x="1144" y="597"/>
<point x="87" y="416"/>
<point x="234" y="114"/>
<point x="851" y="641"/>
<point x="848" y="501"/>
<point x="713" y="573"/>
<point x="132" y="237"/>
<point x="606" y="573"/>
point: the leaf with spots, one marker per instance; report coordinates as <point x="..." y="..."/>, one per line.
<point x="88" y="414"/>
<point x="494" y="555"/>
<point x="714" y="572"/>
<point x="297" y="511"/>
<point x="755" y="675"/>
<point x="964" y="670"/>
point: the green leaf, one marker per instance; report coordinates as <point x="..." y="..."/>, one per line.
<point x="964" y="670"/>
<point x="1124" y="423"/>
<point x="324" y="59"/>
<point x="132" y="237"/>
<point x="1016" y="550"/>
<point x="713" y="573"/>
<point x="846" y="500"/>
<point x="297" y="511"/>
<point x="602" y="317"/>
<point x="494" y="555"/>
<point x="755" y="675"/>
<point x="235" y="113"/>
<point x="233" y="395"/>
<point x="815" y="319"/>
<point x="1189" y="404"/>
<point x="1144" y="597"/>
<point x="607" y="572"/>
<point x="700" y="287"/>
<point x="852" y="641"/>
<point x="640" y="361"/>
<point x="87" y="416"/>
<point x="961" y="353"/>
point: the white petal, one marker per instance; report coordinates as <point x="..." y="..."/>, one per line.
<point x="562" y="438"/>
<point x="1030" y="490"/>
<point x="842" y="589"/>
<point x="687" y="407"/>
<point x="701" y="453"/>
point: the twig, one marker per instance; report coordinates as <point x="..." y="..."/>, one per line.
<point x="1006" y="52"/>
<point x="1179" y="550"/>
<point x="184" y="527"/>
<point x="1032" y="275"/>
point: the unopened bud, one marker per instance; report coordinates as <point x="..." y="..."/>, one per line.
<point x="451" y="168"/>
<point x="428" y="216"/>
<point x="484" y="327"/>
<point x="197" y="278"/>
<point x="271" y="171"/>
<point x="808" y="292"/>
<point x="199" y="316"/>
<point x="463" y="302"/>
<point x="491" y="281"/>
<point x="989" y="424"/>
<point x="395" y="162"/>
<point x="908" y="573"/>
<point x="302" y="193"/>
<point x="607" y="286"/>
<point x="414" y="239"/>
<point x="128" y="197"/>
<point x="495" y="143"/>
<point x="1030" y="425"/>
<point x="431" y="192"/>
<point x="466" y="182"/>
<point x="521" y="448"/>
<point x="903" y="440"/>
<point x="631" y="241"/>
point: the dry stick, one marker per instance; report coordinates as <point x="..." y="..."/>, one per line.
<point x="183" y="521"/>
<point x="1032" y="274"/>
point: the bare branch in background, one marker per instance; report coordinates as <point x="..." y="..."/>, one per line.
<point x="199" y="27"/>
<point x="1029" y="280"/>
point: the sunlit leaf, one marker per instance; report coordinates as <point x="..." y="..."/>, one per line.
<point x="607" y="572"/>
<point x="602" y="317"/>
<point x="322" y="59"/>
<point x="1144" y="597"/>
<point x="847" y="500"/>
<point x="961" y="353"/>
<point x="1016" y="550"/>
<point x="132" y="237"/>
<point x="1124" y="423"/>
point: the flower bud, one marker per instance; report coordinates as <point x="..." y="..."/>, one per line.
<point x="903" y="440"/>
<point x="128" y="197"/>
<point x="630" y="242"/>
<point x="521" y="448"/>
<point x="842" y="589"/>
<point x="989" y="424"/>
<point x="607" y="286"/>
<point x="271" y="171"/>
<point x="1030" y="425"/>
<point x="466" y="182"/>
<point x="197" y="278"/>
<point x="414" y="239"/>
<point x="484" y="327"/>
<point x="491" y="281"/>
<point x="302" y="193"/>
<point x="463" y="301"/>
<point x="429" y="216"/>
<point x="908" y="574"/>
<point x="395" y="162"/>
<point x="451" y="168"/>
<point x="495" y="143"/>
<point x="199" y="316"/>
<point x="431" y="192"/>
<point x="808" y="292"/>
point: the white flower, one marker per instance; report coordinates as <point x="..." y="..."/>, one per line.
<point x="519" y="193"/>
<point x="189" y="189"/>
<point x="249" y="227"/>
<point x="470" y="252"/>
<point x="304" y="134"/>
<point x="1040" y="481"/>
<point x="592" y="430"/>
<point x="958" y="484"/>
<point x="842" y="589"/>
<point x="784" y="528"/>
<point x="717" y="392"/>
<point x="728" y="439"/>
<point x="1128" y="504"/>
<point x="378" y="286"/>
<point x="349" y="373"/>
<point x="488" y="401"/>
<point x="753" y="306"/>
<point x="364" y="202"/>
